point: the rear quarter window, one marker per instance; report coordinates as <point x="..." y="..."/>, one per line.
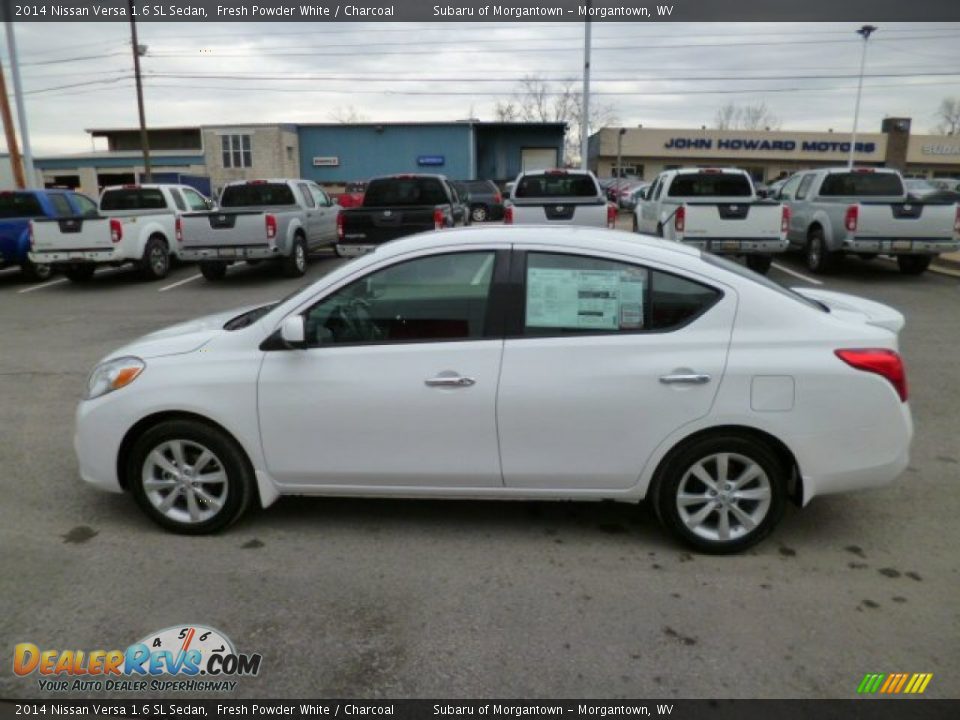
<point x="257" y="195"/>
<point x="556" y="186"/>
<point x="133" y="199"/>
<point x="862" y="184"/>
<point x="706" y="185"/>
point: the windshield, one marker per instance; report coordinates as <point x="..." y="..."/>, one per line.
<point x="557" y="185"/>
<point x="257" y="195"/>
<point x="861" y="184"/>
<point x="707" y="185"/>
<point x="412" y="191"/>
<point x="738" y="269"/>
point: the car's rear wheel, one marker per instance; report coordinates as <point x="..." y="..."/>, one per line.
<point x="155" y="263"/>
<point x="213" y="270"/>
<point x="819" y="258"/>
<point x="721" y="493"/>
<point x="913" y="264"/>
<point x="759" y="263"/>
<point x="35" y="272"/>
<point x="79" y="273"/>
<point x="189" y="477"/>
<point x="479" y="213"/>
<point x="296" y="264"/>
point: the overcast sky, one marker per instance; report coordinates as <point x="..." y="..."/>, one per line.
<point x="665" y="75"/>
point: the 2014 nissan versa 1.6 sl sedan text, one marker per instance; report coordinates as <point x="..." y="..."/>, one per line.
<point x="523" y="363"/>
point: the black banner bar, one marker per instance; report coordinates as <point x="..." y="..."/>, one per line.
<point x="861" y="709"/>
<point x="484" y="11"/>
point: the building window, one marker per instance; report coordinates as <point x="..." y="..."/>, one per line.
<point x="236" y="151"/>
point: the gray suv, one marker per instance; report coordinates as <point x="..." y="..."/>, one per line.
<point x="483" y="198"/>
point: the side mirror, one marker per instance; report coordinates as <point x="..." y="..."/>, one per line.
<point x="293" y="331"/>
<point x="211" y="205"/>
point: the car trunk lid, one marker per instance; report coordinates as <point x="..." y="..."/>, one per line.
<point x="856" y="308"/>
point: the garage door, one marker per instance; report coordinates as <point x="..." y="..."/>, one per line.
<point x="539" y="158"/>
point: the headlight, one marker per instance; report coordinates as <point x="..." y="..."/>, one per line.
<point x="113" y="375"/>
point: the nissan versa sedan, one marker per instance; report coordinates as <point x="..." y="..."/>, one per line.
<point x="520" y="363"/>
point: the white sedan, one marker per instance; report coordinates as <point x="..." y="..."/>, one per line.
<point x="523" y="363"/>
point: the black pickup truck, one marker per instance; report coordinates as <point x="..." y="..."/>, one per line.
<point x="395" y="206"/>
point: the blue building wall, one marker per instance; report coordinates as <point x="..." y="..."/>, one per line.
<point x="70" y="163"/>
<point x="365" y="152"/>
<point x="500" y="148"/>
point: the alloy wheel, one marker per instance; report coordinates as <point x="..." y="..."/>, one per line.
<point x="185" y="481"/>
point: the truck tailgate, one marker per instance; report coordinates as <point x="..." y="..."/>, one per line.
<point x="71" y="234"/>
<point x="560" y="211"/>
<point x="223" y="229"/>
<point x="906" y="220"/>
<point x="362" y="226"/>
<point x="733" y="220"/>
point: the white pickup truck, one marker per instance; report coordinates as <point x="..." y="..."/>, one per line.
<point x="866" y="212"/>
<point x="136" y="224"/>
<point x="559" y="197"/>
<point x="279" y="219"/>
<point x="714" y="209"/>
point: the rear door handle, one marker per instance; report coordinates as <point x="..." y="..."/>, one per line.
<point x="450" y="381"/>
<point x="685" y="379"/>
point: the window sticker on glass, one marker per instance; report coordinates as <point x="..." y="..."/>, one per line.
<point x="585" y="299"/>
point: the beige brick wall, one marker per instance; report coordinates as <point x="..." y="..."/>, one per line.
<point x="274" y="153"/>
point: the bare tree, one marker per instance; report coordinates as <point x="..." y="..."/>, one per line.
<point x="949" y="116"/>
<point x="347" y="115"/>
<point x="746" y="117"/>
<point x="537" y="100"/>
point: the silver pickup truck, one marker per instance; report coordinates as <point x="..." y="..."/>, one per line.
<point x="559" y="197"/>
<point x="866" y="212"/>
<point x="282" y="220"/>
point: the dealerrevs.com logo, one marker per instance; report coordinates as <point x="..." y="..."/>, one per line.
<point x="189" y="658"/>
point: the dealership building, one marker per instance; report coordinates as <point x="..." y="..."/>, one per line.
<point x="768" y="155"/>
<point x="332" y="154"/>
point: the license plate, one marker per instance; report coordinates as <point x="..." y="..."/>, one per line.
<point x="728" y="245"/>
<point x="902" y="245"/>
<point x="227" y="252"/>
<point x="76" y="256"/>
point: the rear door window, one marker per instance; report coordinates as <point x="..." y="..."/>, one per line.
<point x="194" y="200"/>
<point x="556" y="185"/>
<point x="178" y="200"/>
<point x="305" y="194"/>
<point x="257" y="195"/>
<point x="861" y="184"/>
<point x="707" y="185"/>
<point x="133" y="199"/>
<point x="61" y="206"/>
<point x="804" y="187"/>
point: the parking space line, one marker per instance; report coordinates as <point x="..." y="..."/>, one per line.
<point x="180" y="282"/>
<point x="40" y="287"/>
<point x="797" y="275"/>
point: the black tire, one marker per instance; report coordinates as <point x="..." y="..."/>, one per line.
<point x="818" y="257"/>
<point x="914" y="264"/>
<point x="867" y="256"/>
<point x="36" y="272"/>
<point x="759" y="263"/>
<point x="193" y="436"/>
<point x="675" y="475"/>
<point x="479" y="213"/>
<point x="155" y="263"/>
<point x="295" y="265"/>
<point x="79" y="273"/>
<point x="213" y="270"/>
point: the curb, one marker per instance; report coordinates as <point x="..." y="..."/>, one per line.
<point x="946" y="264"/>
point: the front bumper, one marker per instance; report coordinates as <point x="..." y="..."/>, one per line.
<point x="76" y="257"/>
<point x="738" y="246"/>
<point x="901" y="246"/>
<point x="229" y="253"/>
<point x="99" y="430"/>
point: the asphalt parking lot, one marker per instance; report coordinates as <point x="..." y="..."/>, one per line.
<point x="369" y="598"/>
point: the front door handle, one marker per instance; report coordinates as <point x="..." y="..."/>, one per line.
<point x="685" y="379"/>
<point x="450" y="381"/>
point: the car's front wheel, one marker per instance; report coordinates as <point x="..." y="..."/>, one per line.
<point x="36" y="272"/>
<point x="722" y="493"/>
<point x="296" y="264"/>
<point x="189" y="477"/>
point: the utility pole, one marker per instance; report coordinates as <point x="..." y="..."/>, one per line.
<point x="620" y="135"/>
<point x="865" y="32"/>
<point x="11" y="133"/>
<point x="144" y="141"/>
<point x="31" y="175"/>
<point x="585" y="110"/>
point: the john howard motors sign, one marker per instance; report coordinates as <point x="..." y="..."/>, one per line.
<point x="766" y="145"/>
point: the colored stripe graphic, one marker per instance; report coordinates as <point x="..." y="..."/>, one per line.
<point x="894" y="683"/>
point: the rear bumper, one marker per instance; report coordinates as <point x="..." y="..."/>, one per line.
<point x="738" y="246"/>
<point x="229" y="252"/>
<point x="354" y="250"/>
<point x="901" y="246"/>
<point x="77" y="257"/>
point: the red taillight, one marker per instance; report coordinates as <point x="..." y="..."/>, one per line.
<point x="497" y="198"/>
<point x="785" y="219"/>
<point x="881" y="361"/>
<point x="340" y="227"/>
<point x="256" y="182"/>
<point x="178" y="229"/>
<point x="271" y="223"/>
<point x="711" y="171"/>
<point x="680" y="219"/>
<point x="611" y="215"/>
<point x="116" y="231"/>
<point x="851" y="217"/>
<point x="439" y="221"/>
<point x="555" y="171"/>
<point x="508" y="215"/>
<point x="956" y="221"/>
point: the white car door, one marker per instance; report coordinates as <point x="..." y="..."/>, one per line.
<point x="604" y="360"/>
<point x="650" y="209"/>
<point x="397" y="385"/>
<point x="327" y="212"/>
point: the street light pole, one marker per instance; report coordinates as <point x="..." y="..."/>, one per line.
<point x="620" y="159"/>
<point x="865" y="32"/>
<point x="585" y="110"/>
<point x="144" y="141"/>
<point x="31" y="176"/>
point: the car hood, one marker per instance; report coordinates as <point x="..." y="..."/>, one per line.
<point x="856" y="308"/>
<point x="181" y="338"/>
